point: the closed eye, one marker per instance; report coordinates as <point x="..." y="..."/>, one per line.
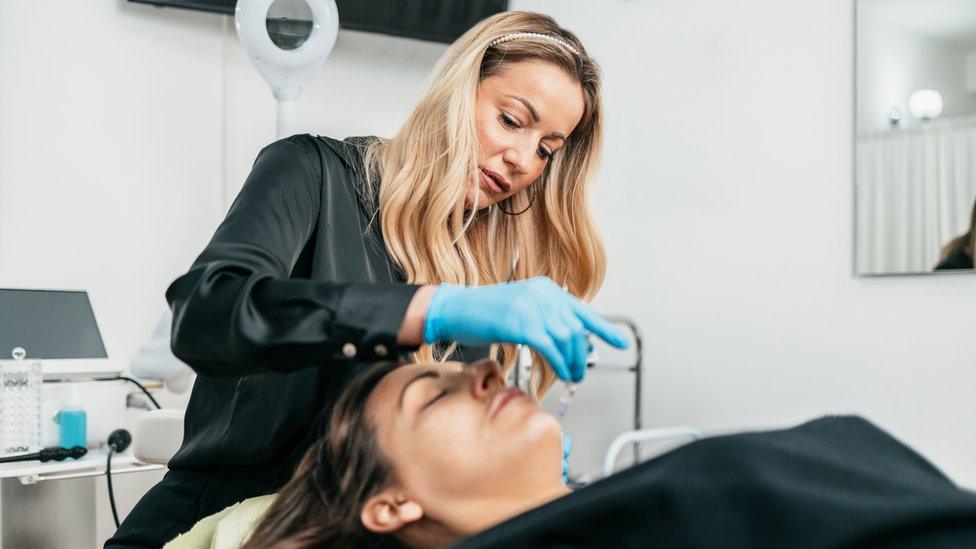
<point x="543" y="153"/>
<point x="435" y="399"/>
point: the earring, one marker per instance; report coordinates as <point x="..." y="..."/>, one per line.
<point x="531" y="200"/>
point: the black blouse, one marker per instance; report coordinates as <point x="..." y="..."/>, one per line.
<point x="290" y="295"/>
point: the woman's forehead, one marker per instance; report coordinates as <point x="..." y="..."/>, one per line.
<point x="389" y="388"/>
<point x="555" y="94"/>
<point x="408" y="371"/>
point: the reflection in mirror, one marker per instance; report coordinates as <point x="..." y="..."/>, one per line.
<point x="915" y="136"/>
<point x="289" y="23"/>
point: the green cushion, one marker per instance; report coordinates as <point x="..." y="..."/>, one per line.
<point x="227" y="529"/>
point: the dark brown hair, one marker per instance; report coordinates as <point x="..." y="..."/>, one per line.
<point x="321" y="504"/>
<point x="967" y="239"/>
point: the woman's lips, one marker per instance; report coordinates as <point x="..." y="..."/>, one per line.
<point x="492" y="184"/>
<point x="503" y="398"/>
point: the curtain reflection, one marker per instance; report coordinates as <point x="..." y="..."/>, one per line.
<point x="915" y="194"/>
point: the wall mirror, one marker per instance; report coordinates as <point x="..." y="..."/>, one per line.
<point x="915" y="136"/>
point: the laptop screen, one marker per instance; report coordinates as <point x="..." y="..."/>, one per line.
<point x="49" y="324"/>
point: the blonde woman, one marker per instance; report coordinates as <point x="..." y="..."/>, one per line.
<point x="339" y="253"/>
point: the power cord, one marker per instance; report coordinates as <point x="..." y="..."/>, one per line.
<point x="137" y="384"/>
<point x="118" y="441"/>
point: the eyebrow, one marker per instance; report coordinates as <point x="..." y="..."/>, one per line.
<point x="422" y="375"/>
<point x="534" y="113"/>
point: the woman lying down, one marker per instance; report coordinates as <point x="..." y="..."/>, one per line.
<point x="430" y="455"/>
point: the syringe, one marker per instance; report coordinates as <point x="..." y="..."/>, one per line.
<point x="570" y="388"/>
<point x="565" y="400"/>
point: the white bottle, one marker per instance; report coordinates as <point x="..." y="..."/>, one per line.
<point x="20" y="404"/>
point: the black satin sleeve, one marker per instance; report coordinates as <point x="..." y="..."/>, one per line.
<point x="237" y="311"/>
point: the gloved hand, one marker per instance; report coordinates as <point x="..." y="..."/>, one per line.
<point x="534" y="312"/>
<point x="567" y="449"/>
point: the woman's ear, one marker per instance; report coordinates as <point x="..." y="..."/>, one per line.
<point x="390" y="511"/>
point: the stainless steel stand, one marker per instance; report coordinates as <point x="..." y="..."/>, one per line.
<point x="49" y="514"/>
<point x="637" y="368"/>
<point x="46" y="505"/>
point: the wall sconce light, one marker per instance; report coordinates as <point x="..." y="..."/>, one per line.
<point x="925" y="105"/>
<point x="894" y="117"/>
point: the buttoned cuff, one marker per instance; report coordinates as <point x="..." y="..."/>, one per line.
<point x="369" y="318"/>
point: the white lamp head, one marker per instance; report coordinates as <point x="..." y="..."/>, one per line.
<point x="289" y="66"/>
<point x="925" y="104"/>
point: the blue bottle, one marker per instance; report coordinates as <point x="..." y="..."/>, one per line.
<point x="73" y="422"/>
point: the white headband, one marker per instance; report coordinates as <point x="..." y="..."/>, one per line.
<point x="517" y="35"/>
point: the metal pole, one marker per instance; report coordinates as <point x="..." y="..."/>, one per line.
<point x="638" y="369"/>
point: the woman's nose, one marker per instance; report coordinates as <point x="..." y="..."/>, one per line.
<point x="487" y="378"/>
<point x="517" y="157"/>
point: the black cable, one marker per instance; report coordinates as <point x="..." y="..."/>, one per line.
<point x="144" y="390"/>
<point x="130" y="380"/>
<point x="118" y="441"/>
<point x="111" y="495"/>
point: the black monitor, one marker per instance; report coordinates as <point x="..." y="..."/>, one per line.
<point x="57" y="327"/>
<point x="49" y="324"/>
<point x="432" y="20"/>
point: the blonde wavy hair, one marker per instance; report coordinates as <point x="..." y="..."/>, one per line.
<point x="426" y="168"/>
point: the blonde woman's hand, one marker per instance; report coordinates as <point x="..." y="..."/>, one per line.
<point x="534" y="312"/>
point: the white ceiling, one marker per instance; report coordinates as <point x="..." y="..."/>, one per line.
<point x="945" y="20"/>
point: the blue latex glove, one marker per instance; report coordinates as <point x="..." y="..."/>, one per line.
<point x="567" y="449"/>
<point x="534" y="312"/>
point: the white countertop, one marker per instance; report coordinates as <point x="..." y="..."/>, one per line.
<point x="93" y="462"/>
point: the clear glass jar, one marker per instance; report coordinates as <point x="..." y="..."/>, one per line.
<point x="20" y="404"/>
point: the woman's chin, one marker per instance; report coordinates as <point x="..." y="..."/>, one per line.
<point x="540" y="425"/>
<point x="483" y="199"/>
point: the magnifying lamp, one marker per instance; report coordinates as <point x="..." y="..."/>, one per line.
<point x="287" y="40"/>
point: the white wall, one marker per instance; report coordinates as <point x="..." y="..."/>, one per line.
<point x="724" y="198"/>
<point x="971" y="71"/>
<point x="110" y="153"/>
<point x="110" y="162"/>
<point x="894" y="62"/>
